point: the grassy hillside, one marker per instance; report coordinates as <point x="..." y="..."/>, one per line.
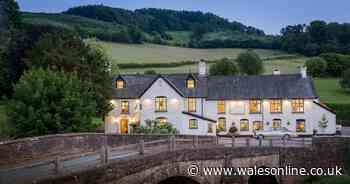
<point x="330" y="91"/>
<point x="152" y="53"/>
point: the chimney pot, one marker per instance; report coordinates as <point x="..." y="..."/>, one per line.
<point x="303" y="72"/>
<point x="202" y="67"/>
<point x="276" y="72"/>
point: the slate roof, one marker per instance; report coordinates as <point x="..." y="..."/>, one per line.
<point x="224" y="87"/>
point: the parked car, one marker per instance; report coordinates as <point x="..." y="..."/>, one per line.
<point x="338" y="129"/>
<point x="282" y="132"/>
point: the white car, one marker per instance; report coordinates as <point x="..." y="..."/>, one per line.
<point x="282" y="132"/>
<point x="338" y="129"/>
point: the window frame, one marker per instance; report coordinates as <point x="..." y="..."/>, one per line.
<point x="221" y="104"/>
<point x="297" y="123"/>
<point x="122" y="104"/>
<point x="159" y="119"/>
<point x="210" y="128"/>
<point x="222" y="120"/>
<point x="190" y="103"/>
<point x="190" y="86"/>
<point x="240" y="125"/>
<point x="273" y="105"/>
<point x="298" y="105"/>
<point x="158" y="106"/>
<point x="192" y="122"/>
<point x="276" y="120"/>
<point x="117" y="83"/>
<point x="258" y="102"/>
<point x="261" y="125"/>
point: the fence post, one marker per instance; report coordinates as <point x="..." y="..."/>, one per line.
<point x="195" y="141"/>
<point x="108" y="151"/>
<point x="260" y="141"/>
<point x="247" y="140"/>
<point x="141" y="147"/>
<point x="270" y="142"/>
<point x="172" y="143"/>
<point x="303" y="141"/>
<point x="58" y="165"/>
<point x="233" y="141"/>
<point x="103" y="155"/>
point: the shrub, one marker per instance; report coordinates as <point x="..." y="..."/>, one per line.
<point x="47" y="102"/>
<point x="316" y="66"/>
<point x="154" y="127"/>
<point x="233" y="130"/>
<point x="345" y="80"/>
<point x="150" y="72"/>
<point x="223" y="67"/>
<point x="250" y="63"/>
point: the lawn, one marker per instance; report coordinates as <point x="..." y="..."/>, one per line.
<point x="153" y="53"/>
<point x="330" y="91"/>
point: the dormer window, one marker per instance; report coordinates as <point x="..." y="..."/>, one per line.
<point x="190" y="82"/>
<point x="120" y="84"/>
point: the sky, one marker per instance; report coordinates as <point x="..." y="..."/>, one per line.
<point x="268" y="15"/>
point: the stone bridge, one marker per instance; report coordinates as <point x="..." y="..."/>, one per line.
<point x="172" y="166"/>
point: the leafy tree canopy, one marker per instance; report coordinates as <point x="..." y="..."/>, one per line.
<point x="345" y="80"/>
<point x="48" y="102"/>
<point x="224" y="66"/>
<point x="250" y="63"/>
<point x="67" y="52"/>
<point x="316" y="66"/>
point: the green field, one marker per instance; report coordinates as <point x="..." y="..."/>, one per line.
<point x="152" y="53"/>
<point x="330" y="91"/>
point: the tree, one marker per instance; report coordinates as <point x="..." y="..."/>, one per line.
<point x="345" y="80"/>
<point x="250" y="63"/>
<point x="150" y="72"/>
<point x="223" y="67"/>
<point x="67" y="52"/>
<point x="48" y="102"/>
<point x="316" y="66"/>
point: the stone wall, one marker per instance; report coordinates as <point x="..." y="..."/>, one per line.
<point x="29" y="149"/>
<point x="326" y="152"/>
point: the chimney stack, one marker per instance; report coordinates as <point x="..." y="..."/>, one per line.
<point x="303" y="72"/>
<point x="202" y="67"/>
<point x="276" y="72"/>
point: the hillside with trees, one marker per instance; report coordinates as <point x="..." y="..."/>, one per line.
<point x="169" y="27"/>
<point x="316" y="38"/>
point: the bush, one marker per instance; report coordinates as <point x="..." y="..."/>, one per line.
<point x="150" y="72"/>
<point x="223" y="67"/>
<point x="343" y="113"/>
<point x="250" y="63"/>
<point x="47" y="102"/>
<point x="336" y="63"/>
<point x="154" y="127"/>
<point x="316" y="66"/>
<point x="345" y="80"/>
<point x="66" y="52"/>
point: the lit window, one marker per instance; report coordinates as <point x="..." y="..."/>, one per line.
<point x="221" y="107"/>
<point x="193" y="124"/>
<point x="191" y="83"/>
<point x="191" y="102"/>
<point x="276" y="106"/>
<point x="255" y="106"/>
<point x="258" y="125"/>
<point x="244" y="125"/>
<point x="300" y="125"/>
<point x="298" y="105"/>
<point x="276" y="123"/>
<point x="125" y="107"/>
<point x="222" y="124"/>
<point x="162" y="120"/>
<point x="120" y="84"/>
<point x="210" y="128"/>
<point x="161" y="104"/>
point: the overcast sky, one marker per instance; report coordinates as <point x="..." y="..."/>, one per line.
<point x="269" y="15"/>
